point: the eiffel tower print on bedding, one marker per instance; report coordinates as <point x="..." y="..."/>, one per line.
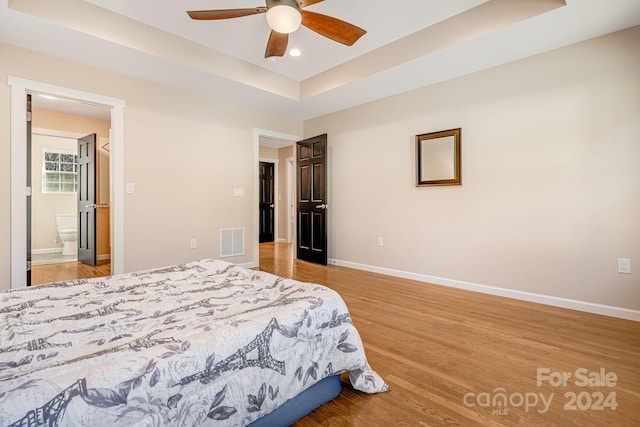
<point x="207" y="343"/>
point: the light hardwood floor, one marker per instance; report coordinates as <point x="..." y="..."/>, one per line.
<point x="47" y="273"/>
<point x="435" y="346"/>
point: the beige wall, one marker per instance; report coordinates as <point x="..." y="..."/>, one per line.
<point x="45" y="206"/>
<point x="550" y="171"/>
<point x="550" y="157"/>
<point x="184" y="152"/>
<point x="268" y="153"/>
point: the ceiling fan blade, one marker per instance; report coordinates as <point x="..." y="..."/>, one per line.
<point x="331" y="27"/>
<point x="305" y="3"/>
<point x="277" y="44"/>
<point x="225" y="13"/>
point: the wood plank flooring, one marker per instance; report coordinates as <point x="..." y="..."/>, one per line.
<point x="447" y="354"/>
<point x="47" y="273"/>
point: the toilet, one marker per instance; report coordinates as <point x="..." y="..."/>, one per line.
<point x="67" y="225"/>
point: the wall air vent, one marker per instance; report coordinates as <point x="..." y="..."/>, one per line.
<point x="231" y="242"/>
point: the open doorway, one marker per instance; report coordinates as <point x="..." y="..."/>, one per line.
<point x="267" y="196"/>
<point x="56" y="180"/>
<point x="20" y="88"/>
<point x="276" y="149"/>
<point x="58" y="126"/>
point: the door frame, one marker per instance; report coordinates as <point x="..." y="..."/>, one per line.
<point x="257" y="133"/>
<point x="291" y="185"/>
<point x="19" y="89"/>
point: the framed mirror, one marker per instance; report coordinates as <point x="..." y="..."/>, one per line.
<point x="438" y="158"/>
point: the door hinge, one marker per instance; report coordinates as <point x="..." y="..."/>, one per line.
<point x="28" y="191"/>
<point x="29" y="116"/>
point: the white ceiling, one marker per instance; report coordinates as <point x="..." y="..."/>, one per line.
<point x="409" y="44"/>
<point x="246" y="37"/>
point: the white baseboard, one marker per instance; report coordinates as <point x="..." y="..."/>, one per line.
<point x="251" y="264"/>
<point x="46" y="251"/>
<point x="605" y="310"/>
<point x="59" y="251"/>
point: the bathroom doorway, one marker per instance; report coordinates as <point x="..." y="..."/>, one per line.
<point x="20" y="88"/>
<point x="55" y="182"/>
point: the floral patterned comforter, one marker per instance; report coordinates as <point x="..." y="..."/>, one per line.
<point x="201" y="344"/>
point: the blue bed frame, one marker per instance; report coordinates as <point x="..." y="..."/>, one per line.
<point x="301" y="405"/>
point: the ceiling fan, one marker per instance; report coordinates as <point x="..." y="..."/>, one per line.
<point x="286" y="16"/>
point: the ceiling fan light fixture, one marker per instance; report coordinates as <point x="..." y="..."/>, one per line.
<point x="283" y="18"/>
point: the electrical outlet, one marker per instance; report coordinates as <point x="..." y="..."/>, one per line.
<point x="624" y="265"/>
<point x="380" y="241"/>
<point x="193" y="244"/>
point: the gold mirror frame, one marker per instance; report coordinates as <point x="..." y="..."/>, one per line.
<point x="438" y="158"/>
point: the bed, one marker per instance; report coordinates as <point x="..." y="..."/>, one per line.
<point x="205" y="343"/>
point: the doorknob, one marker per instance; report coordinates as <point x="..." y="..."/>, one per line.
<point x="272" y="206"/>
<point x="322" y="206"/>
<point x="91" y="206"/>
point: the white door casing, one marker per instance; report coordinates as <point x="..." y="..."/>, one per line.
<point x="19" y="90"/>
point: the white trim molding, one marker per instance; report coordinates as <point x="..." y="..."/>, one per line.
<point x="44" y="251"/>
<point x="249" y="265"/>
<point x="19" y="89"/>
<point x="605" y="310"/>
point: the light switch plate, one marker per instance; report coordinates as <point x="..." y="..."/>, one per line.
<point x="624" y="265"/>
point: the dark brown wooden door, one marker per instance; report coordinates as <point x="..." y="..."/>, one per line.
<point x="267" y="202"/>
<point x="312" y="200"/>
<point x="87" y="199"/>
